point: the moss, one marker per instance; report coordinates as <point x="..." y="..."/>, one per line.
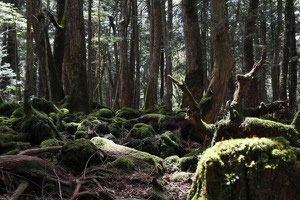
<point x="82" y="134"/>
<point x="6" y="109"/>
<point x="127" y="113"/>
<point x="171" y="144"/>
<point x="141" y="130"/>
<point x="45" y="106"/>
<point x="71" y="127"/>
<point x="235" y="169"/>
<point x="181" y="176"/>
<point x="50" y="143"/>
<point x="18" y="113"/>
<point x="75" y="154"/>
<point x="271" y="128"/>
<point x="148" y="144"/>
<point x="189" y="164"/>
<point x="147" y="162"/>
<point x="123" y="164"/>
<point x="156" y="195"/>
<point x="103" y="113"/>
<point x="13" y="147"/>
<point x="38" y="127"/>
<point x="172" y="163"/>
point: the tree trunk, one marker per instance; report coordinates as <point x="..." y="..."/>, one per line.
<point x="90" y="49"/>
<point x="290" y="15"/>
<point x="223" y="61"/>
<point x="124" y="76"/>
<point x="251" y="97"/>
<point x="275" y="65"/>
<point x="75" y="58"/>
<point x="151" y="93"/>
<point x="163" y="50"/>
<point x="194" y="69"/>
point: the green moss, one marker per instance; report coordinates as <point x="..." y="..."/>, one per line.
<point x="38" y="127"/>
<point x="50" y="143"/>
<point x="6" y="109"/>
<point x="189" y="163"/>
<point x="148" y="144"/>
<point x="147" y="162"/>
<point x="18" y="113"/>
<point x="156" y="195"/>
<point x="141" y="130"/>
<point x="127" y="113"/>
<point x="75" y="154"/>
<point x="172" y="163"/>
<point x="13" y="147"/>
<point x="45" y="106"/>
<point x="273" y="129"/>
<point x="181" y="176"/>
<point x="71" y="127"/>
<point x="235" y="169"/>
<point x="103" y="113"/>
<point x="171" y="144"/>
<point x="123" y="164"/>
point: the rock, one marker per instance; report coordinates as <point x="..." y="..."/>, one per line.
<point x="123" y="165"/>
<point x="181" y="177"/>
<point x="103" y="113"/>
<point x="148" y="144"/>
<point x="6" y="109"/>
<point x="172" y="163"/>
<point x="45" y="106"/>
<point x="127" y="113"/>
<point x="75" y="154"/>
<point x="171" y="145"/>
<point x="256" y="168"/>
<point x="147" y="163"/>
<point x="141" y="131"/>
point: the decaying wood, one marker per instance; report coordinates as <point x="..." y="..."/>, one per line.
<point x="41" y="150"/>
<point x="19" y="191"/>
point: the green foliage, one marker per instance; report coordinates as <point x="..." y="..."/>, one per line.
<point x="10" y="15"/>
<point x="6" y="109"/>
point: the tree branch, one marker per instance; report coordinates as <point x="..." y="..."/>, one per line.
<point x="41" y="150"/>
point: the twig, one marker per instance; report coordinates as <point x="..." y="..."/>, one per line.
<point x="87" y="162"/>
<point x="19" y="191"/>
<point x="59" y="185"/>
<point x="40" y="150"/>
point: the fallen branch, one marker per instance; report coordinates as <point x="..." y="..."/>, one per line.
<point x="40" y="150"/>
<point x="19" y="191"/>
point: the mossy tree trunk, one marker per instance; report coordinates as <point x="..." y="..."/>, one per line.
<point x="74" y="62"/>
<point x="194" y="69"/>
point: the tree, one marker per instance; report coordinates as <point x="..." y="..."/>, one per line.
<point x="74" y="63"/>
<point x="151" y="93"/>
<point x="251" y="98"/>
<point x="194" y="67"/>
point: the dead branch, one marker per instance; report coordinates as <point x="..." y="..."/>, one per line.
<point x="40" y="150"/>
<point x="19" y="191"/>
<point x="264" y="109"/>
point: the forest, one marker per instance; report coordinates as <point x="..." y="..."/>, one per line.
<point x="154" y="99"/>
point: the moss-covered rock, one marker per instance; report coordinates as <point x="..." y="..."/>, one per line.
<point x="256" y="168"/>
<point x="188" y="164"/>
<point x="103" y="113"/>
<point x="38" y="127"/>
<point x="18" y="113"/>
<point x="75" y="154"/>
<point x="123" y="164"/>
<point x="44" y="105"/>
<point x="6" y="109"/>
<point x="71" y="127"/>
<point x="50" y="143"/>
<point x="141" y="130"/>
<point x="127" y="113"/>
<point x="146" y="162"/>
<point x="13" y="147"/>
<point x="172" y="163"/>
<point x="171" y="145"/>
<point x="148" y="144"/>
<point x="157" y="195"/>
<point x="181" y="177"/>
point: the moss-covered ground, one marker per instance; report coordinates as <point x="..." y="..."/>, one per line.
<point x="128" y="154"/>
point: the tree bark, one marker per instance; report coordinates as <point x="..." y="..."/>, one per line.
<point x="251" y="98"/>
<point x="194" y="70"/>
<point x="151" y="93"/>
<point x="275" y="65"/>
<point x="138" y="65"/>
<point x="223" y="61"/>
<point x="124" y="76"/>
<point x="75" y="58"/>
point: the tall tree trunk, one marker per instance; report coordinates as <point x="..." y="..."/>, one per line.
<point x="75" y="58"/>
<point x="194" y="70"/>
<point x="223" y="60"/>
<point x="138" y="65"/>
<point x="251" y="97"/>
<point x="168" y="52"/>
<point x="151" y="93"/>
<point x="275" y="65"/>
<point x="290" y="15"/>
<point x="163" y="50"/>
<point x="124" y="76"/>
<point x="90" y="49"/>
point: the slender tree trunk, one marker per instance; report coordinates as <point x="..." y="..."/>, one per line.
<point x="251" y="97"/>
<point x="75" y="58"/>
<point x="223" y="60"/>
<point x="163" y="50"/>
<point x="138" y="65"/>
<point x="151" y="93"/>
<point x="90" y="49"/>
<point x="275" y="66"/>
<point x="124" y="77"/>
<point x="168" y="52"/>
<point x="290" y="15"/>
<point x="194" y="70"/>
